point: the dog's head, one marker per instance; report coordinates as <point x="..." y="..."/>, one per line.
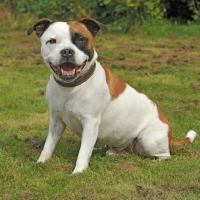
<point x="67" y="47"/>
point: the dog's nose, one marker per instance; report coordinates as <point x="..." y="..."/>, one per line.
<point x="67" y="53"/>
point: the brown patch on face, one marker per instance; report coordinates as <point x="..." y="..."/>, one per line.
<point x="164" y="119"/>
<point x="77" y="27"/>
<point x="115" y="84"/>
<point x="78" y="30"/>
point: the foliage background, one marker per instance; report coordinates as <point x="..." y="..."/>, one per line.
<point x="122" y="14"/>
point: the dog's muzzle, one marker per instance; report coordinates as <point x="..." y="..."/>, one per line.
<point x="67" y="70"/>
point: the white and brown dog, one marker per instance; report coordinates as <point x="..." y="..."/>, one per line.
<point x="92" y="101"/>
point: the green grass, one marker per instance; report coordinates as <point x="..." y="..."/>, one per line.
<point x="162" y="63"/>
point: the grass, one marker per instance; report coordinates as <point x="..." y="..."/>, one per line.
<point x="163" y="66"/>
<point x="13" y="21"/>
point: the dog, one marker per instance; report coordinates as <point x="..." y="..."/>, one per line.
<point x="94" y="102"/>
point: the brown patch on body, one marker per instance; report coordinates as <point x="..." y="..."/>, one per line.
<point x="164" y="119"/>
<point x="115" y="84"/>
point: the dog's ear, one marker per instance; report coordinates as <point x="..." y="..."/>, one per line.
<point x="40" y="27"/>
<point x="93" y="26"/>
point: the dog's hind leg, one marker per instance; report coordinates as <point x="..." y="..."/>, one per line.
<point x="56" y="128"/>
<point x="153" y="142"/>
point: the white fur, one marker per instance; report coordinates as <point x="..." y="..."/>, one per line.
<point x="89" y="112"/>
<point x="191" y="135"/>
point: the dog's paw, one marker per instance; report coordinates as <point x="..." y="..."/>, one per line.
<point x="112" y="152"/>
<point x="77" y="171"/>
<point x="41" y="160"/>
<point x="45" y="155"/>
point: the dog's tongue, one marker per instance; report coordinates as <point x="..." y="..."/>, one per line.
<point x="68" y="69"/>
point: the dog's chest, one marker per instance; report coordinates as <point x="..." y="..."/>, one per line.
<point x="70" y="111"/>
<point x="72" y="105"/>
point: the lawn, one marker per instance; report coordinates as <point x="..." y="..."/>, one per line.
<point x="160" y="60"/>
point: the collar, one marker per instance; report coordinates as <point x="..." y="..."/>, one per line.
<point x="79" y="80"/>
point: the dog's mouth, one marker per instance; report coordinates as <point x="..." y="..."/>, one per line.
<point x="67" y="70"/>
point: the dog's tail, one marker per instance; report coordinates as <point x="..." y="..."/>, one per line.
<point x="188" y="139"/>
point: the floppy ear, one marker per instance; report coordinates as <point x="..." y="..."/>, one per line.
<point x="93" y="26"/>
<point x="40" y="27"/>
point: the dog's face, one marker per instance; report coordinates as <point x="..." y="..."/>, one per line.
<point x="67" y="47"/>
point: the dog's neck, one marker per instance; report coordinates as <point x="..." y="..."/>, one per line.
<point x="79" y="80"/>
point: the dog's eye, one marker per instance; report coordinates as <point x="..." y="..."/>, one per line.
<point x="51" y="41"/>
<point x="80" y="40"/>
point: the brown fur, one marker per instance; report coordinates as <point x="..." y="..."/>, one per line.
<point x="115" y="84"/>
<point x="77" y="27"/>
<point x="164" y="119"/>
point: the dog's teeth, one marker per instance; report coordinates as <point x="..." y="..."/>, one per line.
<point x="68" y="72"/>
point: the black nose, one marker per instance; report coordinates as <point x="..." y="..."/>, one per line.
<point x="67" y="53"/>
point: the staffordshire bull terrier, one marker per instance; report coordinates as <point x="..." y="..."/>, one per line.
<point x="92" y="101"/>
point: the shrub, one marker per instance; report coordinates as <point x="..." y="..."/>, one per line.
<point x="120" y="14"/>
<point x="55" y="9"/>
<point x="181" y="11"/>
<point x="125" y="13"/>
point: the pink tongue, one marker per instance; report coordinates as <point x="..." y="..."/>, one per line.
<point x="68" y="69"/>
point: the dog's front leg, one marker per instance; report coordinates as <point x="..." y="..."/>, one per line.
<point x="56" y="128"/>
<point x="88" y="140"/>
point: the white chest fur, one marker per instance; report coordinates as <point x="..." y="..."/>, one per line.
<point x="73" y="104"/>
